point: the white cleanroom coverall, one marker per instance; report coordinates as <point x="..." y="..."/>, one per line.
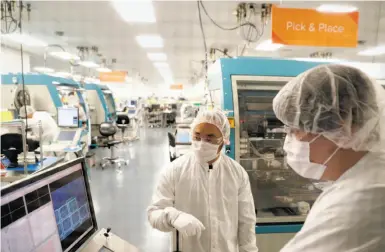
<point x="220" y="198"/>
<point x="349" y="216"/>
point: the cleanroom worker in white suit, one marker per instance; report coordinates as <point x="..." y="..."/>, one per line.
<point x="48" y="124"/>
<point x="335" y="117"/>
<point x="206" y="195"/>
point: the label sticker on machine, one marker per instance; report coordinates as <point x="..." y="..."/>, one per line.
<point x="232" y="122"/>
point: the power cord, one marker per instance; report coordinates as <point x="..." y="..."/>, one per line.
<point x="225" y="28"/>
<point x="22" y="66"/>
<point x="9" y="23"/>
<point x="206" y="52"/>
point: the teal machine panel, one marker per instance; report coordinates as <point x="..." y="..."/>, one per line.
<point x="40" y="88"/>
<point x="244" y="88"/>
<point x="106" y="100"/>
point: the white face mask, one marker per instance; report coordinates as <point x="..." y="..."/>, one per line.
<point x="205" y="151"/>
<point x="298" y="157"/>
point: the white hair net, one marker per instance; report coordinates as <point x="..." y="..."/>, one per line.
<point x="30" y="111"/>
<point x="339" y="102"/>
<point x="215" y="117"/>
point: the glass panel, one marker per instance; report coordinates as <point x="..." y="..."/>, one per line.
<point x="110" y="102"/>
<point x="279" y="193"/>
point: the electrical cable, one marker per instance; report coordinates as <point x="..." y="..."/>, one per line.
<point x="7" y="18"/>
<point x="22" y="67"/>
<point x="224" y="28"/>
<point x="222" y="51"/>
<point x="206" y="52"/>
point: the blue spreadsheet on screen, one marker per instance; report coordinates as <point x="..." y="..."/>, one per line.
<point x="50" y="211"/>
<point x="71" y="208"/>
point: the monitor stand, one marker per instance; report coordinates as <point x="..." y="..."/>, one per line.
<point x="105" y="241"/>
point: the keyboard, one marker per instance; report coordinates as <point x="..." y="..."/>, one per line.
<point x="55" y="147"/>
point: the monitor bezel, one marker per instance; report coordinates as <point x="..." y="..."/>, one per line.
<point x="51" y="171"/>
<point x="73" y="126"/>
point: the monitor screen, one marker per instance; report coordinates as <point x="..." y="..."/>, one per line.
<point x="51" y="211"/>
<point x="66" y="136"/>
<point x="133" y="103"/>
<point x="68" y="117"/>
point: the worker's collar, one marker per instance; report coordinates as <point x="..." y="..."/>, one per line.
<point x="205" y="164"/>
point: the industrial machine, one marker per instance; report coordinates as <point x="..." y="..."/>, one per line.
<point x="244" y="88"/>
<point x="52" y="210"/>
<point x="45" y="93"/>
<point x="102" y="106"/>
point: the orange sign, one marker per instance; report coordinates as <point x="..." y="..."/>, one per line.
<point x="308" y="27"/>
<point x="176" y="87"/>
<point x="115" y="76"/>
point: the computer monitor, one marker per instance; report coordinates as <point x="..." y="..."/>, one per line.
<point x="49" y="211"/>
<point x="133" y="103"/>
<point x="66" y="136"/>
<point x="68" y="117"/>
<point x="173" y="106"/>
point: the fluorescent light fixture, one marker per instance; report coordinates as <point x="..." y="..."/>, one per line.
<point x="89" y="64"/>
<point x="336" y="8"/>
<point x="157" y="56"/>
<point x="161" y="65"/>
<point x="268" y="46"/>
<point x="140" y="11"/>
<point x="77" y="77"/>
<point x="150" y="41"/>
<point x="103" y="69"/>
<point x="43" y="69"/>
<point x="24" y="39"/>
<point x="91" y="80"/>
<point x="62" y="74"/>
<point x="374" y="51"/>
<point x="64" y="55"/>
<point x="318" y="59"/>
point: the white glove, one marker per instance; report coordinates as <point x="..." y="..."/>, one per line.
<point x="188" y="225"/>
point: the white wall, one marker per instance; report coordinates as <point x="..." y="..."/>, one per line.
<point x="124" y="91"/>
<point x="10" y="61"/>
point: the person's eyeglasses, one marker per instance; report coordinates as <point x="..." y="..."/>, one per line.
<point x="208" y="139"/>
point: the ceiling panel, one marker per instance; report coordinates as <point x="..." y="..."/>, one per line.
<point x="96" y="23"/>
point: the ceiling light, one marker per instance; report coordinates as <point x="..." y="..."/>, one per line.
<point x="64" y="55"/>
<point x="150" y="41"/>
<point x="103" y="69"/>
<point x="318" y="59"/>
<point x="24" y="39"/>
<point x="91" y="80"/>
<point x="374" y="51"/>
<point x="135" y="11"/>
<point x="161" y="65"/>
<point x="89" y="64"/>
<point x="268" y="46"/>
<point x="157" y="56"/>
<point x="336" y="8"/>
<point x="43" y="69"/>
<point x="62" y="74"/>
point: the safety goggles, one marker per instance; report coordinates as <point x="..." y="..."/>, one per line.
<point x="206" y="138"/>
